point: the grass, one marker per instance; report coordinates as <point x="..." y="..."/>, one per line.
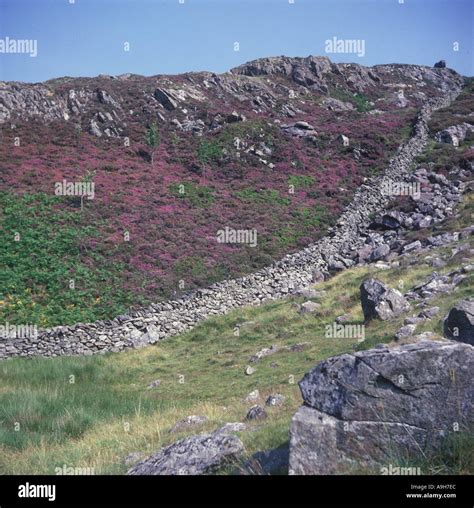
<point x="42" y="249"/>
<point x="94" y="411"/>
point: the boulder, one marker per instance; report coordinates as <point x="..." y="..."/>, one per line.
<point x="194" y="455"/>
<point x="440" y="65"/>
<point x="379" y="252"/>
<point x="375" y="406"/>
<point x="455" y="134"/>
<point x="256" y="413"/>
<point x="459" y="323"/>
<point x="380" y="301"/>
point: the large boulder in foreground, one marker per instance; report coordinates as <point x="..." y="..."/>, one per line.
<point x="459" y="323"/>
<point x="194" y="455"/>
<point x="381" y="405"/>
<point x="381" y="302"/>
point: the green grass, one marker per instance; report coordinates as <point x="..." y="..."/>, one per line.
<point x="43" y="248"/>
<point x="360" y="101"/>
<point x="198" y="196"/>
<point x="265" y="196"/>
<point x="107" y="412"/>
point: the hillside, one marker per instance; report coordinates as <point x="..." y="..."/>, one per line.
<point x="277" y="146"/>
<point x="107" y="412"/>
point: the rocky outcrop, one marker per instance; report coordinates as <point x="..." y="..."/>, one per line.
<point x="459" y="323"/>
<point x="455" y="134"/>
<point x="194" y="455"/>
<point x="381" y="302"/>
<point x="376" y="406"/>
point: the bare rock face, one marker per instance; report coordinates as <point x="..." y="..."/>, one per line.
<point x="455" y="134"/>
<point x="370" y="407"/>
<point x="194" y="455"/>
<point x="381" y="302"/>
<point x="459" y="323"/>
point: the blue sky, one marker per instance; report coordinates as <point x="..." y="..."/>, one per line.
<point x="87" y="37"/>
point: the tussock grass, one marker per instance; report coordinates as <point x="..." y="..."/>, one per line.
<point x="94" y="411"/>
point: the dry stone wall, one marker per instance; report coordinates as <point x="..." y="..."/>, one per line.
<point x="161" y="320"/>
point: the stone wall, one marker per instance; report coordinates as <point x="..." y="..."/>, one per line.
<point x="162" y="320"/>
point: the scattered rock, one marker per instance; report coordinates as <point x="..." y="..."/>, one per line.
<point x="429" y="313"/>
<point x="249" y="370"/>
<point x="229" y="428"/>
<point x="266" y="351"/>
<point x="379" y="253"/>
<point x="154" y="384"/>
<point x="256" y="413"/>
<point x="405" y="331"/>
<point x="380" y="301"/>
<point x="252" y="396"/>
<point x="455" y="134"/>
<point x="412" y="247"/>
<point x="188" y="422"/>
<point x="459" y="323"/>
<point x="276" y="399"/>
<point x="317" y="276"/>
<point x="194" y="455"/>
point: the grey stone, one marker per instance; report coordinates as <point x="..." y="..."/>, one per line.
<point x="276" y="399"/>
<point x="194" y="455"/>
<point x="252" y="396"/>
<point x="459" y="323"/>
<point x="368" y="407"/>
<point x="405" y="331"/>
<point x="380" y="301"/>
<point x="256" y="413"/>
<point x="188" y="422"/>
<point x="231" y="427"/>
